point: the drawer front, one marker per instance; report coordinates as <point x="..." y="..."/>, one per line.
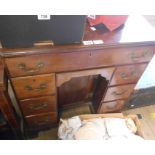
<point x="128" y="74"/>
<point x="70" y="61"/>
<point x="120" y="92"/>
<point x="41" y="120"/>
<point x="64" y="77"/>
<point x="33" y="86"/>
<point x="115" y="106"/>
<point x="38" y="105"/>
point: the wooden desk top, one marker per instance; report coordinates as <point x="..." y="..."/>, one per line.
<point x="136" y="31"/>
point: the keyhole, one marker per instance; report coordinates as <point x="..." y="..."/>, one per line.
<point x="34" y="80"/>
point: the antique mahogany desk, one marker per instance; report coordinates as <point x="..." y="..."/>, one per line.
<point x="46" y="79"/>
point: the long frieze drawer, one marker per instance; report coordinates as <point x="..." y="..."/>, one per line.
<point x="33" y="86"/>
<point x="70" y="61"/>
<point x="128" y="74"/>
<point x="38" y="105"/>
<point x="120" y="92"/>
<point x="41" y="120"/>
<point x="114" y="106"/>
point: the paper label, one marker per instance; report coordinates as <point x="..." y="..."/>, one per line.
<point x="88" y="42"/>
<point x="98" y="41"/>
<point x="92" y="16"/>
<point x="93" y="28"/>
<point x="44" y="17"/>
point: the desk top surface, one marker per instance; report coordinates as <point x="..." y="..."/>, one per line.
<point x="136" y="31"/>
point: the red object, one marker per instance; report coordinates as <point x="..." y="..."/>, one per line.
<point x="110" y="21"/>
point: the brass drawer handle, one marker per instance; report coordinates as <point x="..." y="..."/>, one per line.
<point x="134" y="56"/>
<point x="119" y="93"/>
<point x="38" y="67"/>
<point x="40" y="88"/>
<point x="38" y="107"/>
<point x="126" y="76"/>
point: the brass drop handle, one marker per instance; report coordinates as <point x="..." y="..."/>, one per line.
<point x="134" y="56"/>
<point x="40" y="88"/>
<point x="119" y="93"/>
<point x="126" y="76"/>
<point x="38" y="107"/>
<point x="37" y="68"/>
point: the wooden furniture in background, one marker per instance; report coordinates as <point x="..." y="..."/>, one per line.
<point x="6" y="132"/>
<point x="7" y="109"/>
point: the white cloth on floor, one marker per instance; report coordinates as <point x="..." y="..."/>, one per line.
<point x="116" y="126"/>
<point x="97" y="129"/>
<point x="68" y="127"/>
<point x="91" y="129"/>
